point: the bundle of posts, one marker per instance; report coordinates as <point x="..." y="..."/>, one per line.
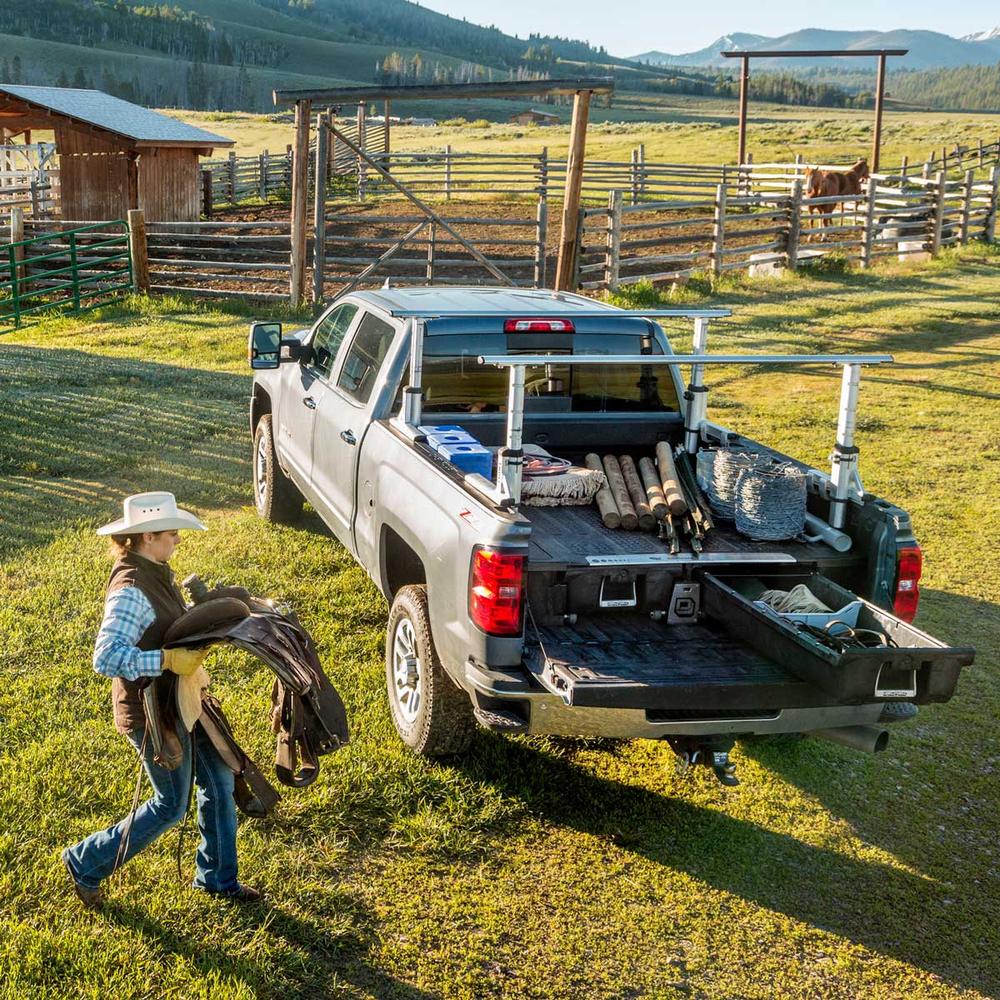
<point x="661" y="497"/>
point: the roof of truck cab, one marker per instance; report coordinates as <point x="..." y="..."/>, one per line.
<point x="502" y="301"/>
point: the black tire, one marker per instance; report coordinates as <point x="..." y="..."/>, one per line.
<point x="275" y="496"/>
<point x="433" y="716"/>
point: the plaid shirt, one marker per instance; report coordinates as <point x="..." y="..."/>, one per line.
<point x="127" y="614"/>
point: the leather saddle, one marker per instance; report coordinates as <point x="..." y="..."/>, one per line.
<point x="307" y="713"/>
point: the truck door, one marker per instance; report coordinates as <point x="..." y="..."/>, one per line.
<point x="304" y="389"/>
<point x="341" y="421"/>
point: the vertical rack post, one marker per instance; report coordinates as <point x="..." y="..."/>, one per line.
<point x="844" y="467"/>
<point x="696" y="395"/>
<point x="512" y="456"/>
<point x="413" y="393"/>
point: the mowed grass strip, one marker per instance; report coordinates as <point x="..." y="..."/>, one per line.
<point x="533" y="868"/>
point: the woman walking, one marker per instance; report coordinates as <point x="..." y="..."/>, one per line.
<point x="141" y="603"/>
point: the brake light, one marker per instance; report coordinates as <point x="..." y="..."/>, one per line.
<point x="538" y="326"/>
<point x="909" y="563"/>
<point x="496" y="587"/>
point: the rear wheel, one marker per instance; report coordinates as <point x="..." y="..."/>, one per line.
<point x="275" y="496"/>
<point x="431" y="713"/>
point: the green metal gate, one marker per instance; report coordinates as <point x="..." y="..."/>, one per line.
<point x="72" y="268"/>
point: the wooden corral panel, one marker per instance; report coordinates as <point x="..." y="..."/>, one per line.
<point x="169" y="185"/>
<point x="93" y="177"/>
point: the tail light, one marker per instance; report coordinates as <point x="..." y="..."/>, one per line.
<point x="496" y="589"/>
<point x="909" y="563"/>
<point x="538" y="326"/>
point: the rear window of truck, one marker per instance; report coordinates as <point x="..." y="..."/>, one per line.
<point x="455" y="382"/>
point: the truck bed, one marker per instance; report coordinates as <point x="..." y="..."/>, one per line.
<point x="567" y="536"/>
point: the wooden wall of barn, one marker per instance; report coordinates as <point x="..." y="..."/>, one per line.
<point x="169" y="185"/>
<point x="93" y="177"/>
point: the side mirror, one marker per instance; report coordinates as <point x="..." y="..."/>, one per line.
<point x="264" y="348"/>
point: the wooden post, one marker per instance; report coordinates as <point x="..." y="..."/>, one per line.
<point x="868" y="232"/>
<point x="990" y="229"/>
<point x="132" y="169"/>
<point x="232" y="178"/>
<point x="288" y="168"/>
<point x="543" y="174"/>
<point x="642" y="170"/>
<point x="566" y="265"/>
<point x="794" y="226"/>
<point x="385" y="139"/>
<point x="138" y="251"/>
<point x="206" y="193"/>
<point x="431" y="236"/>
<point x="447" y="172"/>
<point x="719" y="230"/>
<point x="581" y="229"/>
<point x="300" y="188"/>
<point x="967" y="191"/>
<point x="319" y="206"/>
<point x="879" y="101"/>
<point x="633" y="172"/>
<point x="613" y="239"/>
<point x="541" y="238"/>
<point x="904" y="166"/>
<point x="938" y="212"/>
<point x="35" y="206"/>
<point x="980" y="164"/>
<point x="744" y="93"/>
<point x="262" y="176"/>
<point x="16" y="236"/>
<point x="362" y="166"/>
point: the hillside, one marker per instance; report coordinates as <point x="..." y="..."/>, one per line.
<point x="928" y="49"/>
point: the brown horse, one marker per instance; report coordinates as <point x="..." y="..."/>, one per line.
<point x="834" y="183"/>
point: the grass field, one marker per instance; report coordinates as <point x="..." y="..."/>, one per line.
<point x="534" y="868"/>
<point x="675" y="129"/>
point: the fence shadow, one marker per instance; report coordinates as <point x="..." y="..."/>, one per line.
<point x="82" y="430"/>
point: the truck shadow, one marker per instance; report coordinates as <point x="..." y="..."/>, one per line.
<point x="891" y="911"/>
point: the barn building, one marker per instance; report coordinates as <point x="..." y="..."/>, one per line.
<point x="113" y="155"/>
<point x="532" y="116"/>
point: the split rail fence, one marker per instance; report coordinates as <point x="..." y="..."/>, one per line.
<point x="624" y="243"/>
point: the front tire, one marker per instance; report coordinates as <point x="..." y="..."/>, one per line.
<point x="432" y="715"/>
<point x="275" y="496"/>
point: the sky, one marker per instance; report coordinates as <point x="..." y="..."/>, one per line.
<point x="672" y="26"/>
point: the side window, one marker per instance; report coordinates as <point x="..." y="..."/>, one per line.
<point x="364" y="359"/>
<point x="328" y="337"/>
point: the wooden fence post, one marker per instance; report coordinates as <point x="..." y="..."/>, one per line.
<point x="613" y="240"/>
<point x="262" y="175"/>
<point x="16" y="236"/>
<point x="581" y="225"/>
<point x="447" y="172"/>
<point x="543" y="175"/>
<point x="794" y="226"/>
<point x="939" y="188"/>
<point x="904" y="166"/>
<point x="319" y="207"/>
<point x="541" y="237"/>
<point x="232" y="177"/>
<point x="431" y="236"/>
<point x="206" y="193"/>
<point x="633" y="178"/>
<point x="642" y="170"/>
<point x="362" y="165"/>
<point x="719" y="230"/>
<point x="138" y="250"/>
<point x="990" y="229"/>
<point x="980" y="151"/>
<point x="868" y="232"/>
<point x="963" y="237"/>
<point x="299" y="212"/>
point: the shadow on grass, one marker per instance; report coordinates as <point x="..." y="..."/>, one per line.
<point x="83" y="430"/>
<point x="890" y="911"/>
<point x="312" y="961"/>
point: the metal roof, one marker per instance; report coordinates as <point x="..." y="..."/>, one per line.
<point x="94" y="107"/>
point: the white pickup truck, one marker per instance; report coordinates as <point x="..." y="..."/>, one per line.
<point x="496" y="610"/>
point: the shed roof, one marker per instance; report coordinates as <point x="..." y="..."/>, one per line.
<point x="94" y="107"/>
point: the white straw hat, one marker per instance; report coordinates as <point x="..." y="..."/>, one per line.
<point x="151" y="512"/>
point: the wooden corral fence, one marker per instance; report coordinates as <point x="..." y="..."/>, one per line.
<point x="29" y="180"/>
<point x="448" y="174"/>
<point x="624" y="243"/>
<point x="49" y="265"/>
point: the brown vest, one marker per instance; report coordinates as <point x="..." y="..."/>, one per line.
<point x="156" y="581"/>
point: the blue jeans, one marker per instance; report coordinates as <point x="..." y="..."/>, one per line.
<point x="94" y="858"/>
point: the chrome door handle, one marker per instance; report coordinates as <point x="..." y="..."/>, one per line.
<point x="310" y="402"/>
<point x="348" y="436"/>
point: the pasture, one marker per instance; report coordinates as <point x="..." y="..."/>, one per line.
<point x="533" y="868"/>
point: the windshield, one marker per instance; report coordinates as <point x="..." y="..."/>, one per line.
<point x="455" y="382"/>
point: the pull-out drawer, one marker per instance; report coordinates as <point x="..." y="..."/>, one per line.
<point x="916" y="667"/>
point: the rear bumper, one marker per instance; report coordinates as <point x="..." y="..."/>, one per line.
<point x="547" y="713"/>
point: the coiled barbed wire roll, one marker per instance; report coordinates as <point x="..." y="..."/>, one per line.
<point x="725" y="472"/>
<point x="771" y="502"/>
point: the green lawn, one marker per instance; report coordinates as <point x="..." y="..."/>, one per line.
<point x="533" y="868"/>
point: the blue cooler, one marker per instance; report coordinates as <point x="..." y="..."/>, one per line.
<point x="469" y="456"/>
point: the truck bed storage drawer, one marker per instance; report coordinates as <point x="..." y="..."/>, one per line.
<point x="918" y="668"/>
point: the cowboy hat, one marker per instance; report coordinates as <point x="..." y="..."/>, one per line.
<point x="151" y="512"/>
